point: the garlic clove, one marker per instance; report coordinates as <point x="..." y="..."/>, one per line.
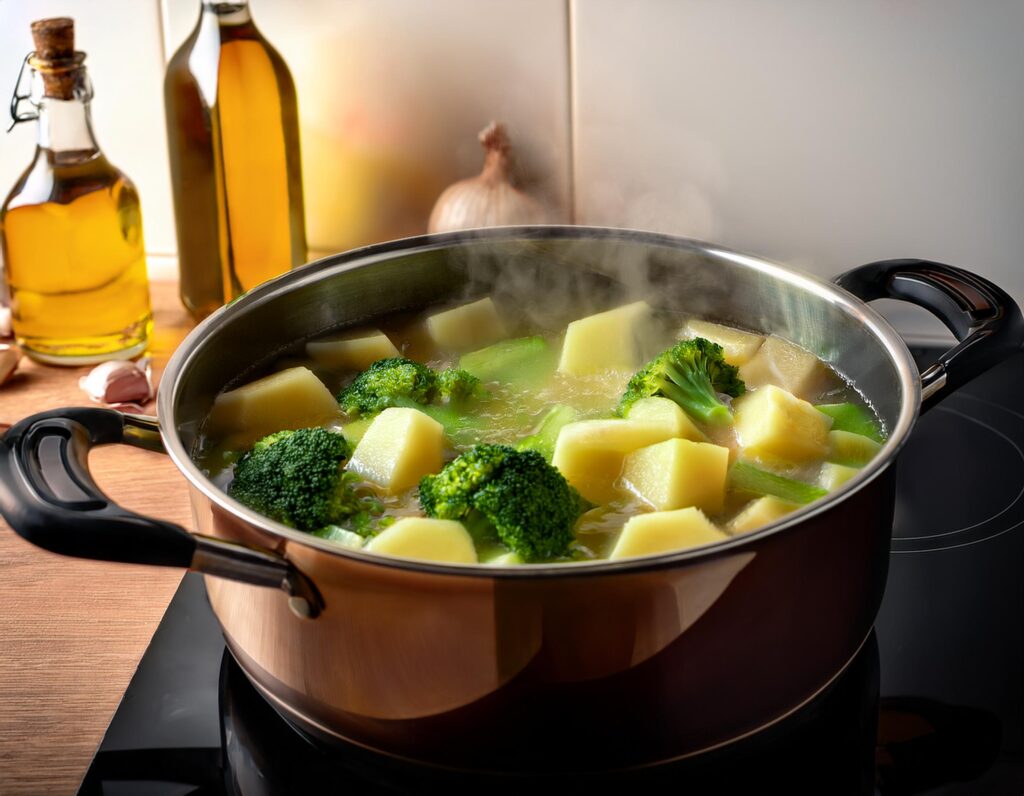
<point x="119" y="382"/>
<point x="10" y="356"/>
<point x="488" y="199"/>
<point x="6" y="325"/>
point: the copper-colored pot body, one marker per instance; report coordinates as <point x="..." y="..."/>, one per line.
<point x="612" y="664"/>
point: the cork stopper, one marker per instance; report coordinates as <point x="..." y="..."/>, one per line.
<point x="55" y="57"/>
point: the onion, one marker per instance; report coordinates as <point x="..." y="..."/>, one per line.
<point x="489" y="199"/>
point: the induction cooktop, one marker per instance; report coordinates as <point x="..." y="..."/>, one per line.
<point x="933" y="703"/>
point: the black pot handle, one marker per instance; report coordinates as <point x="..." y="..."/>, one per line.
<point x="984" y="318"/>
<point x="48" y="496"/>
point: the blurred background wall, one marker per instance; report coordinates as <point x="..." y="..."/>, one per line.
<point x="822" y="134"/>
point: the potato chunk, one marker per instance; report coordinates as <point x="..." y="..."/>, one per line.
<point x="773" y="424"/>
<point x="678" y="473"/>
<point x="664" y="531"/>
<point x="785" y="365"/>
<point x="737" y="346"/>
<point x="854" y="450"/>
<point x="426" y="539"/>
<point x="469" y="326"/>
<point x="398" y="449"/>
<point x="609" y="340"/>
<point x="835" y="475"/>
<point x="292" y="398"/>
<point x="589" y="453"/>
<point x="761" y="512"/>
<point x="665" y="413"/>
<point x="352" y="353"/>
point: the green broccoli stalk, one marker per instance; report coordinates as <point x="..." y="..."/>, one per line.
<point x="853" y="418"/>
<point x="387" y="382"/>
<point x="296" y="478"/>
<point x="528" y="502"/>
<point x="544" y="438"/>
<point x="524" y="361"/>
<point x="691" y="373"/>
<point x="745" y="477"/>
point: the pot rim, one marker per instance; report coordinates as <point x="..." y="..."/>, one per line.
<point x="193" y="343"/>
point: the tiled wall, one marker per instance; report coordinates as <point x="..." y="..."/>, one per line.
<point x="821" y="134"/>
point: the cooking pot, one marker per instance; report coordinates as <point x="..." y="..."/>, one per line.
<point x="603" y="664"/>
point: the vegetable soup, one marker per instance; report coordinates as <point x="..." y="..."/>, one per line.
<point x="447" y="436"/>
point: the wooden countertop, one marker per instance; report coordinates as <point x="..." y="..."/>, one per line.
<point x="72" y="631"/>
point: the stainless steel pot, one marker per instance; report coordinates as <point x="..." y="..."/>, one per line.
<point x="594" y="665"/>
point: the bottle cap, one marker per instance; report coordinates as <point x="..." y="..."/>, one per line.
<point x="55" y="57"/>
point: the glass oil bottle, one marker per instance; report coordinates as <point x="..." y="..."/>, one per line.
<point x="232" y="125"/>
<point x="71" y="227"/>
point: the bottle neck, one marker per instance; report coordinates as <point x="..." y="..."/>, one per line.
<point x="65" y="128"/>
<point x="228" y="12"/>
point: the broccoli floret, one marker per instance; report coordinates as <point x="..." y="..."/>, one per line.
<point x="528" y="502"/>
<point x="457" y="385"/>
<point x="691" y="373"/>
<point x="386" y="383"/>
<point x="296" y="478"/>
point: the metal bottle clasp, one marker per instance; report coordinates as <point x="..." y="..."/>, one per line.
<point x="17" y="98"/>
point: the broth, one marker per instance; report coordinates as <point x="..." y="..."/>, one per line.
<point x="512" y="409"/>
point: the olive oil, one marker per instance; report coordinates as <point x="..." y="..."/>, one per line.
<point x="76" y="265"/>
<point x="232" y="127"/>
<point x="72" y="229"/>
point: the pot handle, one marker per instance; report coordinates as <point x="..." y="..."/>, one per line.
<point x="50" y="499"/>
<point x="984" y="318"/>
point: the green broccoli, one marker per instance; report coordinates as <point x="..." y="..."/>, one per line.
<point x="691" y="373"/>
<point x="387" y="382"/>
<point x="524" y="361"/>
<point x="543" y="440"/>
<point x="296" y="478"/>
<point x="853" y="418"/>
<point x="528" y="502"/>
<point x="745" y="477"/>
<point x="456" y="385"/>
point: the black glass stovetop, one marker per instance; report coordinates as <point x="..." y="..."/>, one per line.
<point x="933" y="704"/>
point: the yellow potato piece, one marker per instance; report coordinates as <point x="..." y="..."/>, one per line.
<point x="606" y="341"/>
<point x="398" y="449"/>
<point x="352" y="353"/>
<point x="774" y="424"/>
<point x="665" y="413"/>
<point x="854" y="450"/>
<point x="589" y="453"/>
<point x="761" y="512"/>
<point x="835" y="475"/>
<point x="292" y="398"/>
<point x="467" y="327"/>
<point x="677" y="473"/>
<point x="737" y="346"/>
<point x="426" y="539"/>
<point x="664" y="531"/>
<point x="785" y="365"/>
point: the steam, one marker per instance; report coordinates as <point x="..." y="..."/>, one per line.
<point x="544" y="283"/>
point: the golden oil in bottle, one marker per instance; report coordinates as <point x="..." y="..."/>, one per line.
<point x="232" y="125"/>
<point x="74" y="258"/>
